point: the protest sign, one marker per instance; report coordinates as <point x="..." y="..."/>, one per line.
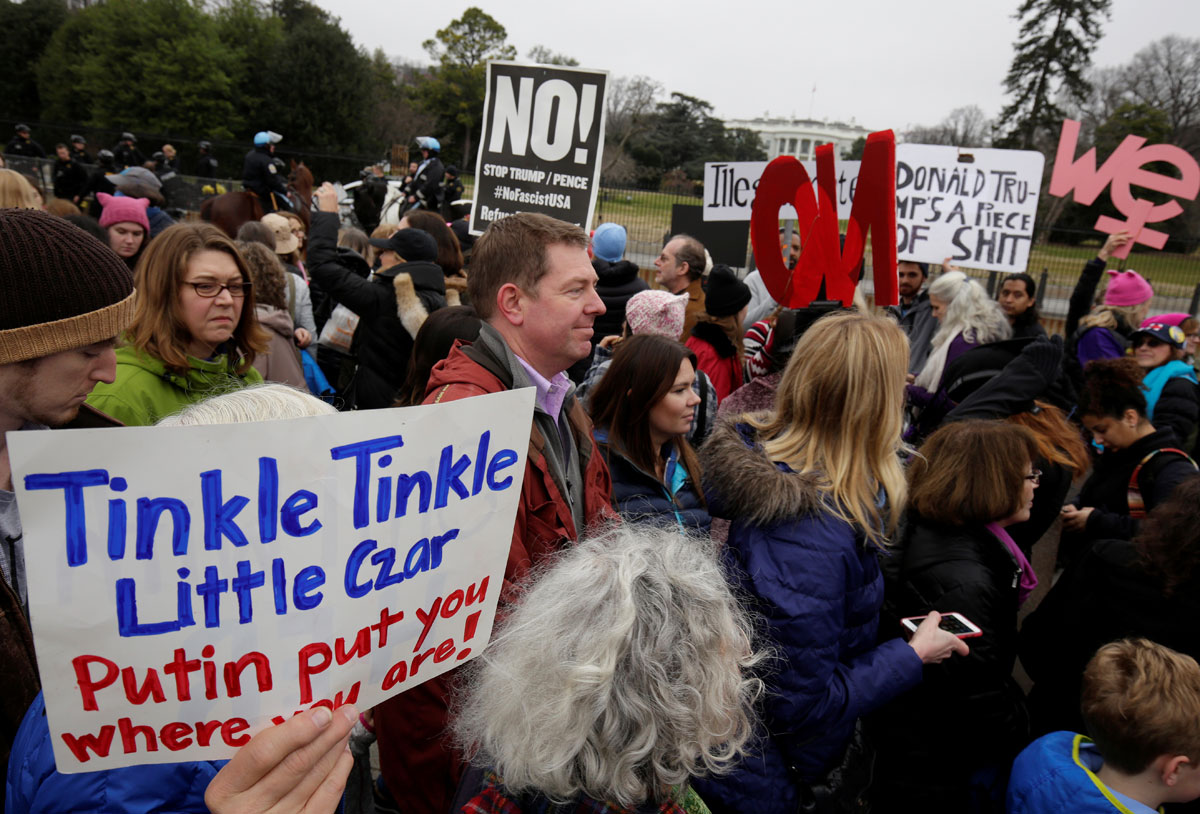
<point x="542" y="141"/>
<point x="189" y="586"/>
<point x="729" y="188"/>
<point x="976" y="206"/>
<point x="1123" y="170"/>
<point x="823" y="262"/>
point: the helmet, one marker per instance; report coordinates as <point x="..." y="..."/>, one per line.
<point x="78" y="139"/>
<point x="106" y="158"/>
<point x="429" y="143"/>
<point x="159" y="156"/>
<point x="205" y="146"/>
<point x="22" y="128"/>
<point x="264" y="137"/>
<point x="129" y="137"/>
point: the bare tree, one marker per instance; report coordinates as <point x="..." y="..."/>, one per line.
<point x="966" y="126"/>
<point x="631" y="101"/>
<point x="1166" y="75"/>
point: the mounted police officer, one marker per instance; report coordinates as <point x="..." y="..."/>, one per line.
<point x="206" y="167"/>
<point x="426" y="186"/>
<point x="126" y="153"/>
<point x="260" y="173"/>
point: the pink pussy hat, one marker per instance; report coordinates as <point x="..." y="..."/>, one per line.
<point x="1176" y="319"/>
<point x="1127" y="288"/>
<point x="120" y="209"/>
<point x="656" y="312"/>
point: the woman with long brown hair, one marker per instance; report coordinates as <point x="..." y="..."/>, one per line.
<point x="194" y="332"/>
<point x="642" y="410"/>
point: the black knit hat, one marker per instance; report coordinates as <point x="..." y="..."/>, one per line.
<point x="62" y="288"/>
<point x="725" y="294"/>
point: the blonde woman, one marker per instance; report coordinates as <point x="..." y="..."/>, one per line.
<point x="16" y="192"/>
<point x="813" y="490"/>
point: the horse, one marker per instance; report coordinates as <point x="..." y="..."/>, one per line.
<point x="232" y="209"/>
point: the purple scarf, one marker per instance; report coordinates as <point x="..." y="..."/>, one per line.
<point x="1029" y="579"/>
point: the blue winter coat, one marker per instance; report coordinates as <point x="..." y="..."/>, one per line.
<point x="35" y="786"/>
<point x="1057" y="772"/>
<point x="819" y="588"/>
<point x="642" y="497"/>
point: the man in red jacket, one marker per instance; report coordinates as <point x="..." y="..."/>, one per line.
<point x="532" y="284"/>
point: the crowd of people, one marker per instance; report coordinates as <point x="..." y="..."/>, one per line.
<point x="764" y="559"/>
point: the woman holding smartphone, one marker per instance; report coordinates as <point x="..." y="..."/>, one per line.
<point x="970" y="481"/>
<point x="813" y="490"/>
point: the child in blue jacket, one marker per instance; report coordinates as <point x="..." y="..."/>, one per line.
<point x="1141" y="704"/>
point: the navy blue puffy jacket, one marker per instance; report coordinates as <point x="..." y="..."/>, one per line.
<point x="819" y="589"/>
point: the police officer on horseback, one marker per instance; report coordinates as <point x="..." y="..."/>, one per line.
<point x="426" y="186"/>
<point x="260" y="173"/>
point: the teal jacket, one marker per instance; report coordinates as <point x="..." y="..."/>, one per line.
<point x="144" y="391"/>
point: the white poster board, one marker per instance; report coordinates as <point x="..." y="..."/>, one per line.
<point x="975" y="206"/>
<point x="191" y="585"/>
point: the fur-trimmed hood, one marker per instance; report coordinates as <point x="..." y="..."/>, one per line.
<point x="456" y="290"/>
<point x="742" y="483"/>
<point x="410" y="280"/>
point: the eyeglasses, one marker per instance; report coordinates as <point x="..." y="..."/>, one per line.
<point x="210" y="290"/>
<point x="1035" y="476"/>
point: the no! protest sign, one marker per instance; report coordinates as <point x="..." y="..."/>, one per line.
<point x="189" y="586"/>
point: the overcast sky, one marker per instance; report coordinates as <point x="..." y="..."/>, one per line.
<point x="909" y="62"/>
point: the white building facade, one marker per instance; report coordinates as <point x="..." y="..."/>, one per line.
<point x="800" y="137"/>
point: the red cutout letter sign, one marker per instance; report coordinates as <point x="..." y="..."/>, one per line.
<point x="786" y="181"/>
<point x="1124" y="169"/>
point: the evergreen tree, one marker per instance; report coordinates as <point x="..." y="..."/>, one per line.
<point x="1052" y="53"/>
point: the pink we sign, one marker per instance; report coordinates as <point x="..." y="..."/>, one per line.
<point x="1124" y="169"/>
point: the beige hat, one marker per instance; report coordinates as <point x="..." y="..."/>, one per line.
<point x="285" y="241"/>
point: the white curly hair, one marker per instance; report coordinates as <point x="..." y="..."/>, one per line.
<point x="969" y="312"/>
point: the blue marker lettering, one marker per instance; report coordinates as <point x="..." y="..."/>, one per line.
<point x="361" y="452"/>
<point x="72" y="484"/>
<point x="218" y="516"/>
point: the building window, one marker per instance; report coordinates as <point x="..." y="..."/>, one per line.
<point x="792" y="146"/>
<point x="805" y="146"/>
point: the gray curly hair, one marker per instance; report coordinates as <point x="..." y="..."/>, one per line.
<point x="623" y="672"/>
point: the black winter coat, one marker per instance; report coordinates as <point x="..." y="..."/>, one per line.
<point x="618" y="282"/>
<point x="260" y="174"/>
<point x="70" y="180"/>
<point x="1178" y="410"/>
<point x="126" y="156"/>
<point x="968" y="712"/>
<point x="1027" y="325"/>
<point x="1107" y="490"/>
<point x="1105" y="596"/>
<point x="427" y="184"/>
<point x="24" y="147"/>
<point x="391" y="307"/>
<point x="639" y="496"/>
<point x="206" y="167"/>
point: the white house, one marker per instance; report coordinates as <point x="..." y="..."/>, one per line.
<point x="800" y="137"/>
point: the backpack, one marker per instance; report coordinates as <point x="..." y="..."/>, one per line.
<point x="1137" y="506"/>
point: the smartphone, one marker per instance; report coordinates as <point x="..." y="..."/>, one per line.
<point x="952" y="622"/>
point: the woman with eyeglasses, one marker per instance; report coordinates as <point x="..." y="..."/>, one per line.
<point x="194" y="332"/>
<point x="1139" y="465"/>
<point x="971" y="481"/>
<point x="1172" y="398"/>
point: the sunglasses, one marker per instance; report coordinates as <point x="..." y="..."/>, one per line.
<point x="1150" y="341"/>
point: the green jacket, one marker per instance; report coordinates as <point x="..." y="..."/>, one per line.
<point x="145" y="391"/>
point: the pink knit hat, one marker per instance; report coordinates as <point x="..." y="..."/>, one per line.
<point x="1167" y="319"/>
<point x="1127" y="288"/>
<point x="123" y="209"/>
<point x="656" y="312"/>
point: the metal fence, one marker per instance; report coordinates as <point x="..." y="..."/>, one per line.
<point x="646" y="216"/>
